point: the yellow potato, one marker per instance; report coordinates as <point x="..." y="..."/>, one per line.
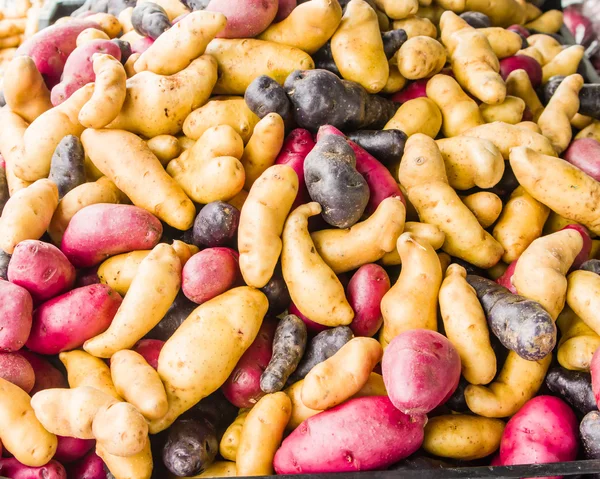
<point x="412" y="301"/>
<point x="415" y="26"/>
<point x="129" y="64"/>
<point x="165" y="148"/>
<point x="262" y="434"/>
<point x="457" y="6"/>
<point x="127" y="161"/>
<point x="108" y="23"/>
<point x="592" y="131"/>
<point x="173" y="8"/>
<point x="313" y="286"/>
<point x="396" y="81"/>
<point x="138" y="466"/>
<point x="565" y="63"/>
<point x="120" y="429"/>
<point x="555" y="223"/>
<point x="463" y="437"/>
<point x="547" y="22"/>
<point x="261" y="223"/>
<point x="138" y="383"/>
<point x="459" y="111"/>
<point x="125" y="20"/>
<point x="27" y="214"/>
<point x="12" y="147"/>
<point x="366" y="242"/>
<point x="546" y="178"/>
<point x="583" y="296"/>
<point x="83" y="369"/>
<point x="532" y="52"/>
<point x="300" y="412"/>
<point x="262" y="149"/>
<point x="485" y="205"/>
<point x="218" y="469"/>
<point x="502" y="13"/>
<point x="242" y="60"/>
<point x="578" y="342"/>
<point x="231" y="438"/>
<point x="24" y="89"/>
<point x="398" y="9"/>
<point x="238" y="200"/>
<point x="519" y="85"/>
<point x="174" y="50"/>
<point x="531" y="11"/>
<point x="516" y="384"/>
<point x="91" y="34"/>
<point x="419" y="115"/>
<point x="224" y="110"/>
<point x="504" y="43"/>
<point x="357" y="48"/>
<point x="547" y="46"/>
<point x="158" y="105"/>
<point x="202" y="353"/>
<point x="529" y="125"/>
<point x="9" y="27"/>
<point x="509" y="111"/>
<point x="579" y="121"/>
<point x="421" y="163"/>
<point x="420" y="57"/>
<point x="422" y="232"/>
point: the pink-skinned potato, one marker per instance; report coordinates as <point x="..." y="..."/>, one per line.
<point x="245" y="18"/>
<point x="10" y="467"/>
<point x="421" y="370"/>
<point x="545" y="430"/>
<point x="522" y="62"/>
<point x="141" y="45"/>
<point x="242" y="387"/>
<point x="88" y="276"/>
<point x="51" y="47"/>
<point x="312" y="327"/>
<point x="69" y="320"/>
<point x="149" y="349"/>
<point x="584" y="153"/>
<point x="71" y="449"/>
<point x="46" y="375"/>
<point x="41" y="268"/>
<point x="584" y="254"/>
<point x="208" y="274"/>
<point x="16" y="308"/>
<point x="96" y="233"/>
<point x="88" y="467"/>
<point x="416" y="89"/>
<point x="297" y="145"/>
<point x="595" y="372"/>
<point x="365" y="290"/>
<point x="362" y="434"/>
<point x="16" y="369"/>
<point x="284" y="9"/>
<point x="506" y="278"/>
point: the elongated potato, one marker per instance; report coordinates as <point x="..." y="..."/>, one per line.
<point x="121" y="429"/>
<point x="308" y="27"/>
<point x="583" y="297"/>
<point x="398" y="9"/>
<point x="138" y="466"/>
<point x="578" y="342"/>
<point x="165" y="148"/>
<point x="262" y="434"/>
<point x="341" y="376"/>
<point x="300" y="412"/>
<point x="83" y="369"/>
<point x="24" y="89"/>
<point x="547" y="22"/>
<point x="202" y="353"/>
<point x="485" y="205"/>
<point x="546" y="45"/>
<point x="261" y="223"/>
<point x="564" y="63"/>
<point x="150" y="295"/>
<point x="466" y="326"/>
<point x="174" y="50"/>
<point x="365" y="242"/>
<point x="422" y="232"/>
<point x="419" y="115"/>
<point x="516" y="384"/>
<point x="12" y="147"/>
<point x="462" y="437"/>
<point x="27" y="214"/>
<point x="22" y="434"/>
<point x="415" y="26"/>
<point x="504" y="43"/>
<point x="519" y="85"/>
<point x="313" y="286"/>
<point x="412" y="301"/>
<point x="592" y="131"/>
<point x="125" y="158"/>
<point x="509" y="111"/>
<point x="231" y="438"/>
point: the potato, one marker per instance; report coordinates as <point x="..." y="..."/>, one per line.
<point x="17" y="370"/>
<point x="46" y="375"/>
<point x="357" y="48"/>
<point x="209" y="273"/>
<point x="120" y="429"/>
<point x="420" y="57"/>
<point x="365" y="290"/>
<point x="150" y="19"/>
<point x="16" y="307"/>
<point x="459" y="111"/>
<point x="265" y="96"/>
<point x="577" y="343"/>
<point x="564" y="63"/>
<point x="486" y="207"/>
<point x="592" y="131"/>
<point x="12" y="147"/>
<point x="90" y="34"/>
<point x="22" y="434"/>
<point x="519" y="85"/>
<point x="300" y="412"/>
<point x="504" y="43"/>
<point x="547" y="22"/>
<point x="420" y="115"/>
<point x="575" y="387"/>
<point x="67" y="167"/>
<point x="83" y="369"/>
<point x="27" y="214"/>
<point x="16" y="470"/>
<point x="151" y="293"/>
<point x="138" y="465"/>
<point x="261" y="223"/>
<point x="165" y="148"/>
<point x="312" y="284"/>
<point x="227" y="324"/>
<point x="581" y="296"/>
<point x="241" y="61"/>
<point x="462" y="437"/>
<point x="149" y="349"/>
<point x="415" y="26"/>
<point x="509" y="111"/>
<point x="398" y="10"/>
<point x="244" y="19"/>
<point x="219" y="469"/>
<point x="165" y="199"/>
<point x="231" y="439"/>
<point x="308" y="27"/>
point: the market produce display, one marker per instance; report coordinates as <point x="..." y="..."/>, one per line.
<point x="255" y="237"/>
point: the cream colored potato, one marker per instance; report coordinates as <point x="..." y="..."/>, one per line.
<point x="547" y="46"/>
<point x="519" y="85"/>
<point x="578" y="342"/>
<point x="485" y="205"/>
<point x="83" y="369"/>
<point x="231" y="438"/>
<point x="219" y="469"/>
<point x="415" y="26"/>
<point x="509" y="111"/>
<point x="165" y="148"/>
<point x="504" y="43"/>
<point x="398" y="9"/>
<point x="300" y="412"/>
<point x="592" y="131"/>
<point x="24" y="89"/>
<point x="138" y="466"/>
<point x="108" y="23"/>
<point x="12" y="147"/>
<point x="579" y="121"/>
<point x="422" y="232"/>
<point x="420" y="57"/>
<point x="583" y="296"/>
<point x="564" y="63"/>
<point x="419" y="115"/>
<point x="502" y="13"/>
<point x="396" y="81"/>
<point x="547" y="22"/>
<point x="91" y="34"/>
<point x="120" y="429"/>
<point x="532" y="52"/>
<point x="532" y="12"/>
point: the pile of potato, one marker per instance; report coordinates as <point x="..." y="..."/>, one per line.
<point x="246" y="237"/>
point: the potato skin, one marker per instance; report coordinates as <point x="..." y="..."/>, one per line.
<point x="150" y="20"/>
<point x="17" y="370"/>
<point x="589" y="430"/>
<point x="365" y="290"/>
<point x="13" y="468"/>
<point x="16" y="308"/>
<point x="264" y="95"/>
<point x="67" y="167"/>
<point x="209" y="273"/>
<point x="177" y="314"/>
<point x="245" y="19"/>
<point x="190" y="448"/>
<point x="575" y="387"/>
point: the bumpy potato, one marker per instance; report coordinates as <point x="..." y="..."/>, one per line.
<point x="420" y="57"/>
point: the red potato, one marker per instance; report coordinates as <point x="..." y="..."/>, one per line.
<point x="584" y="153"/>
<point x="416" y="89"/>
<point x="150" y="350"/>
<point x="16" y="307"/>
<point x="79" y="68"/>
<point x="545" y="430"/>
<point x="89" y="467"/>
<point x="242" y="388"/>
<point x="584" y="254"/>
<point x="298" y="144"/>
<point x="245" y="18"/>
<point x="71" y="449"/>
<point x="506" y="278"/>
<point x="17" y="370"/>
<point x="96" y="232"/>
<point x="209" y="273"/>
<point x="51" y="47"/>
<point x="522" y="62"/>
<point x="381" y="182"/>
<point x="365" y="290"/>
<point x="46" y="375"/>
<point x="67" y="321"/>
<point x="421" y="370"/>
<point x="362" y="434"/>
<point x="284" y="8"/>
<point x="595" y="372"/>
<point x="85" y="277"/>
<point x="141" y="45"/>
<point x="312" y="327"/>
<point x="41" y="268"/>
<point x="10" y="467"/>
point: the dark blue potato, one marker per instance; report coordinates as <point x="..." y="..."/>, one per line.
<point x="322" y="98"/>
<point x="589" y="96"/>
<point x="150" y="20"/>
<point x="575" y="387"/>
<point x="4" y="194"/>
<point x="264" y="95"/>
<point x="216" y="225"/>
<point x="277" y="293"/>
<point x="125" y="48"/>
<point x="385" y="145"/>
<point x="332" y="181"/>
<point x="392" y="41"/>
<point x="196" y="4"/>
<point x="177" y="314"/>
<point x="67" y="169"/>
<point x="324" y="59"/>
<point x="191" y="447"/>
<point x="589" y="430"/>
<point x="322" y="347"/>
<point x="216" y="409"/>
<point x="476" y="19"/>
<point x="94" y="6"/>
<point x="592" y="265"/>
<point x="289" y="344"/>
<point x="117" y="6"/>
<point x="457" y="401"/>
<point x="4" y="260"/>
<point x="521" y="325"/>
